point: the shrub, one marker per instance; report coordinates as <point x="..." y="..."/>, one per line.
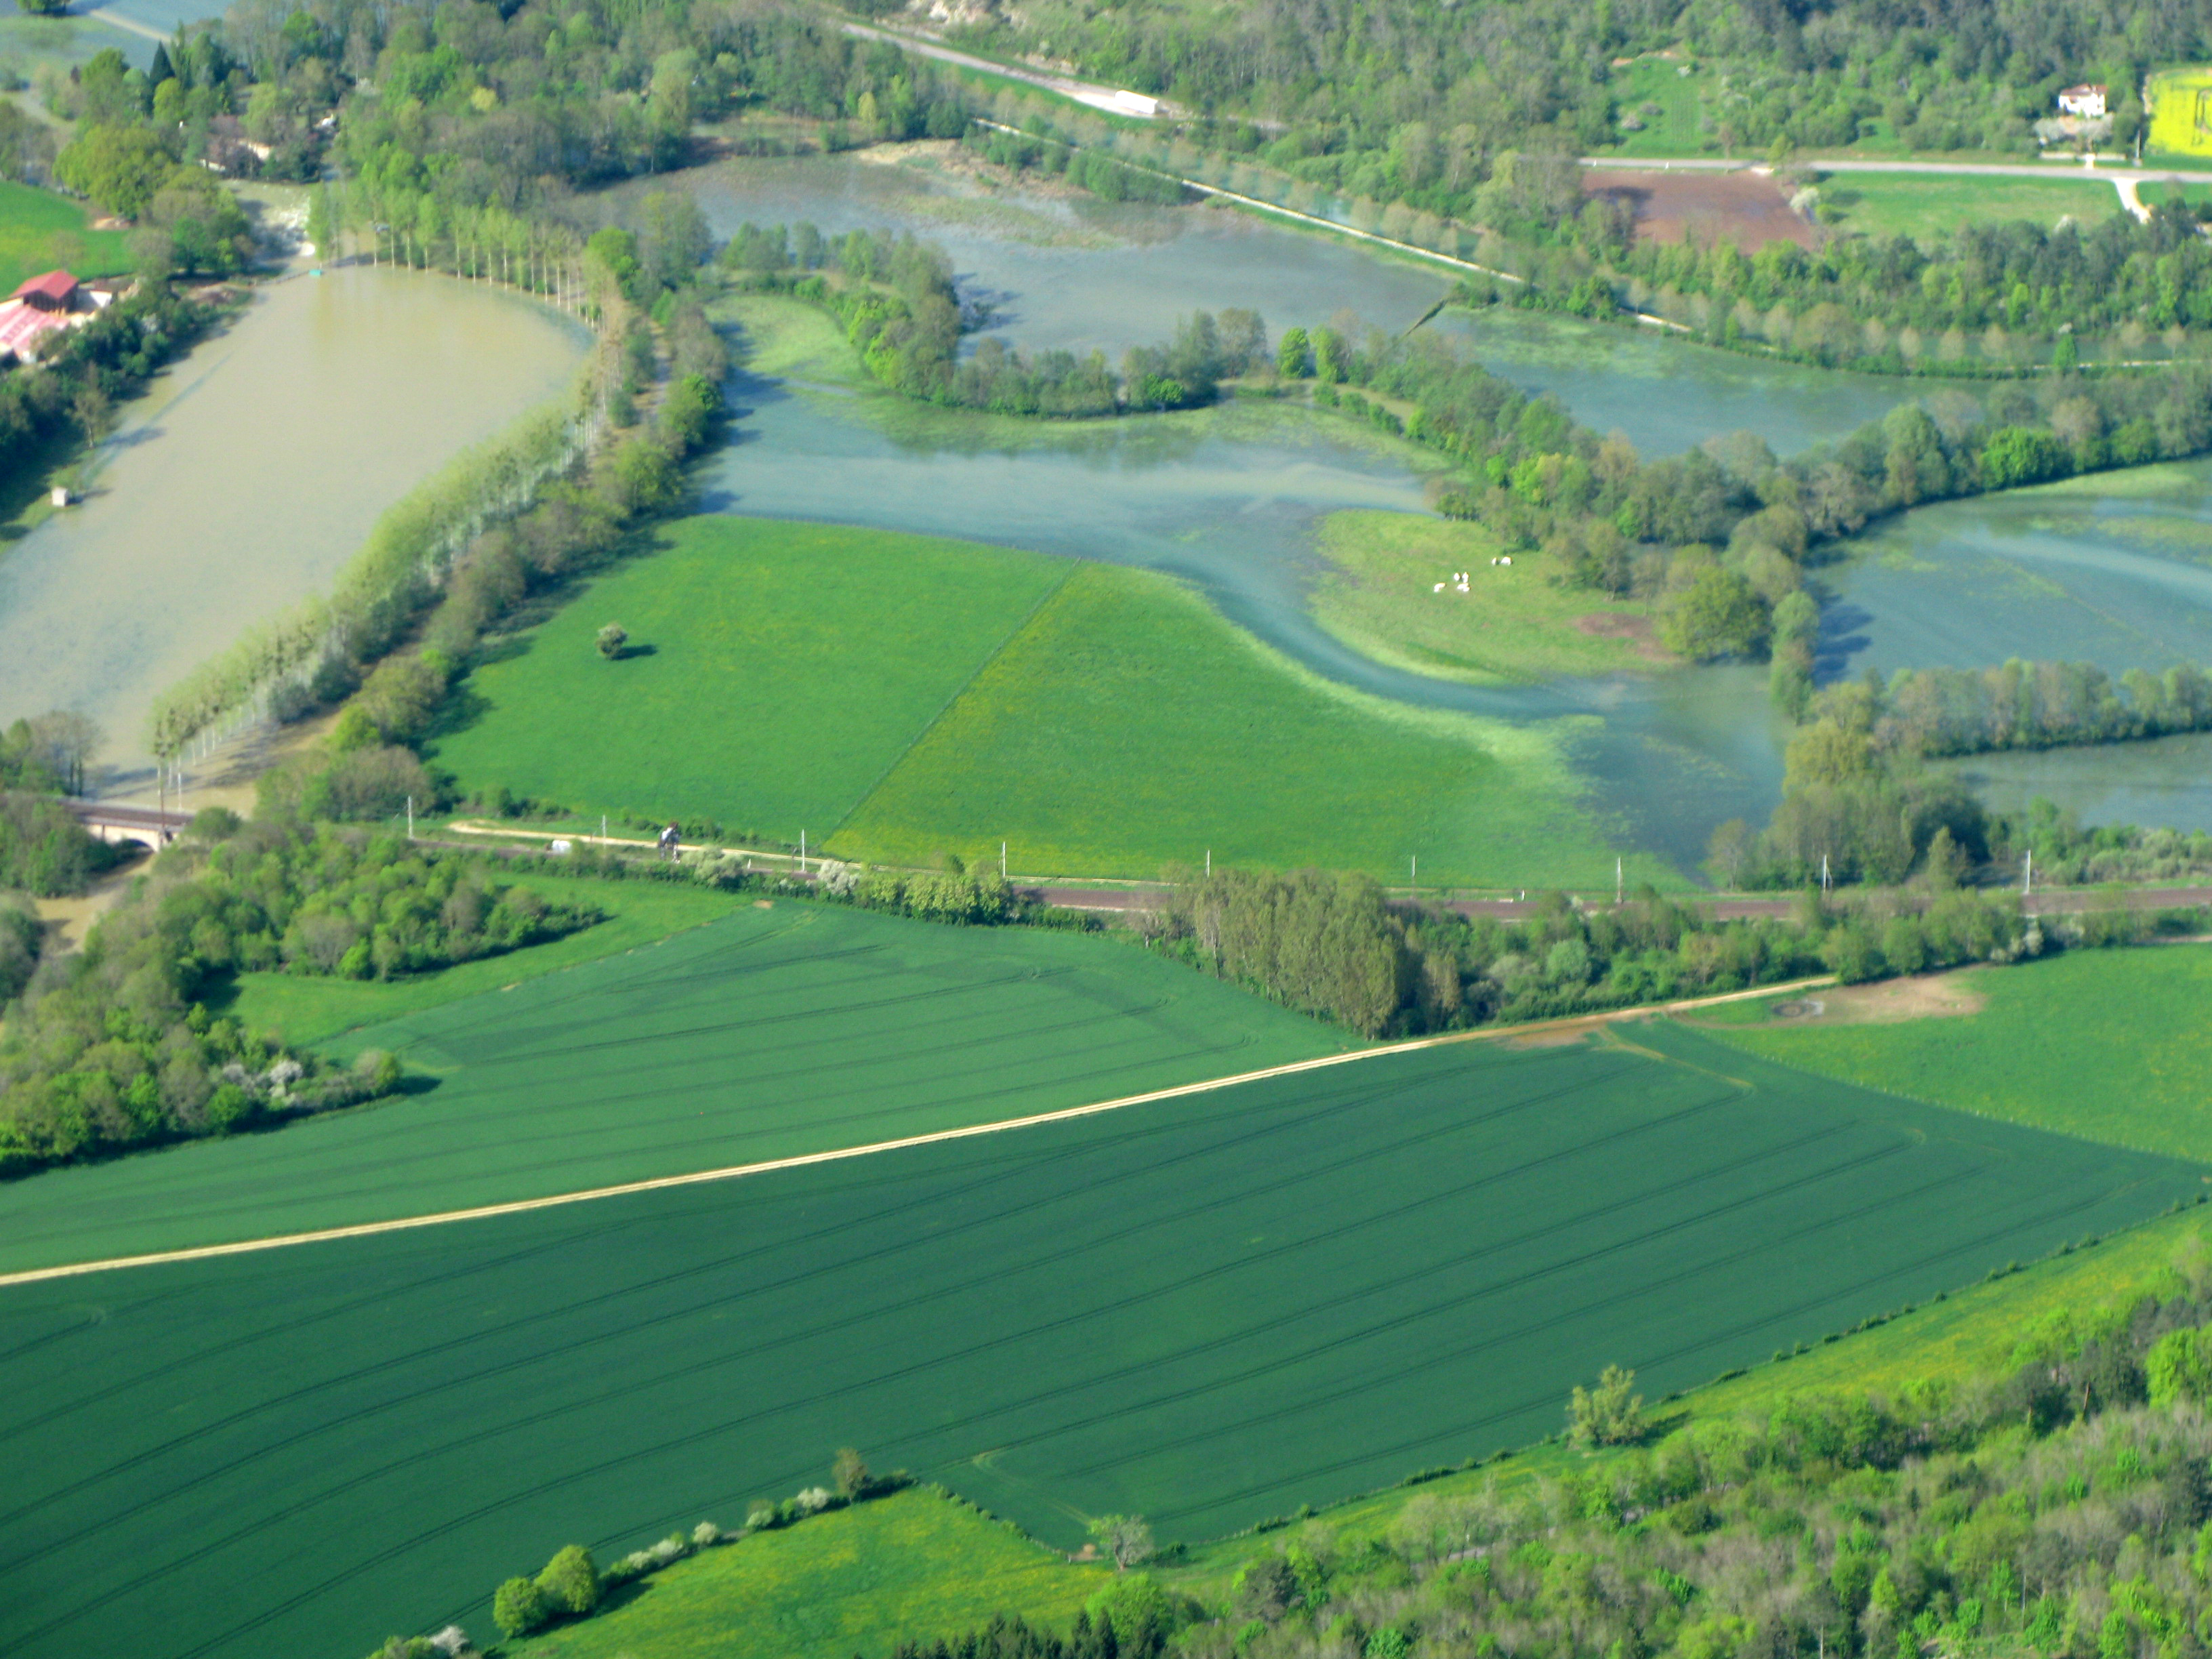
<point x="1608" y="1415"/>
<point x="850" y="1472"/>
<point x="518" y="1607"/>
<point x="611" y="639"/>
<point x="570" y="1583"/>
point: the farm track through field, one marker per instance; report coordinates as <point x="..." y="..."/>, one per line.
<point x="733" y="1172"/>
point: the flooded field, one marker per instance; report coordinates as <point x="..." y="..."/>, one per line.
<point x="246" y="481"/>
<point x="251" y="473"/>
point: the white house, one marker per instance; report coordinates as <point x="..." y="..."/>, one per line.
<point x="2086" y="102"/>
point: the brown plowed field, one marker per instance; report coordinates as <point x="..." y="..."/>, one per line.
<point x="1748" y="208"/>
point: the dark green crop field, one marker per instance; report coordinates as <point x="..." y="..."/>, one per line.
<point x="767" y="1034"/>
<point x="1207" y="1310"/>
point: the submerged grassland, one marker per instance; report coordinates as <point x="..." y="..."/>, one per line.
<point x="900" y="697"/>
<point x="1207" y="1310"/>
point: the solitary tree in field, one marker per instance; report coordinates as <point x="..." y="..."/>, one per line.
<point x="612" y="638"/>
<point x="517" y="1608"/>
<point x="1608" y="1415"/>
<point x="1125" y="1538"/>
<point x="851" y="1472"/>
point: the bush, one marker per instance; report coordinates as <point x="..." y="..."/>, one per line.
<point x="570" y="1583"/>
<point x="518" y="1607"/>
<point x="1608" y="1415"/>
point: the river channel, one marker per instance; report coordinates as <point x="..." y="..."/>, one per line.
<point x="252" y="472"/>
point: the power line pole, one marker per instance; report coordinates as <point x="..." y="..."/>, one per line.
<point x="410" y="818"/>
<point x="1002" y="860"/>
<point x="2027" y="881"/>
<point x="1619" y="881"/>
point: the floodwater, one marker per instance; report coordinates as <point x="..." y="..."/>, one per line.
<point x="1229" y="500"/>
<point x="252" y="472"/>
<point x="1074" y="274"/>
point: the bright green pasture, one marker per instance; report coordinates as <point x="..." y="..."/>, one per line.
<point x="857" y="1581"/>
<point x="899" y="698"/>
<point x="1128" y="726"/>
<point x="1930" y="207"/>
<point x="2107" y="1044"/>
<point x="39" y="230"/>
<point x="1516" y="622"/>
<point x="775" y="672"/>
<point x="1206" y="1309"/>
<point x="767" y="1034"/>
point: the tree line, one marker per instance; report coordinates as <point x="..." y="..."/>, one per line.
<point x="1336" y="946"/>
<point x="1860" y="804"/>
<point x="113" y="1047"/>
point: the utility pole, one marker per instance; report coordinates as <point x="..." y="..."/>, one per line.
<point x="603" y="829"/>
<point x="1002" y="860"/>
<point x="802" y="852"/>
<point x="2028" y="880"/>
<point x="1209" y="862"/>
<point x="1824" y="872"/>
<point x="1619" y="883"/>
<point x="1415" y="877"/>
<point x="410" y="818"/>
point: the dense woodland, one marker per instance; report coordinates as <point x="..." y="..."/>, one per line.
<point x="2058" y="1506"/>
<point x="1414" y="99"/>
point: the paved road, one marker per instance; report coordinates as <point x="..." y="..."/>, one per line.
<point x="1108" y="99"/>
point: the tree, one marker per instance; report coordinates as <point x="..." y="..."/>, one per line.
<point x="119" y="168"/>
<point x="851" y="1472"/>
<point x="612" y="638"/>
<point x="1291" y="355"/>
<point x="43" y="8"/>
<point x="517" y="1608"/>
<point x="67" y="740"/>
<point x="1719" y="615"/>
<point x="570" y="1583"/>
<point x="1608" y="1415"/>
<point x="2180" y="1366"/>
<point x="1126" y="1539"/>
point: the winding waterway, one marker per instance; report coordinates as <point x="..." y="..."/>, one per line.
<point x="250" y="475"/>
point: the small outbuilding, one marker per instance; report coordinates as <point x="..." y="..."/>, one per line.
<point x="2085" y="101"/>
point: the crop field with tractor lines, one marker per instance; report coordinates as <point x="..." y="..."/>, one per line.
<point x="1207" y="1310"/>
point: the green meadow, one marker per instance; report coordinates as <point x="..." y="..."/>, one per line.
<point x="899" y="698"/>
<point x="767" y="1033"/>
<point x="2108" y="1045"/>
<point x="1928" y="207"/>
<point x="1207" y="1310"/>
<point x="851" y="1581"/>
<point x="1519" y="623"/>
<point x="39" y="230"/>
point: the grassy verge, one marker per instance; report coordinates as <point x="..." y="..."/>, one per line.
<point x="1928" y="207"/>
<point x="900" y="697"/>
<point x="39" y="230"/>
<point x="854" y="1581"/>
<point x="1518" y="622"/>
<point x="2104" y="1044"/>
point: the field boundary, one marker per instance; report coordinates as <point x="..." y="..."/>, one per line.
<point x="836" y="1155"/>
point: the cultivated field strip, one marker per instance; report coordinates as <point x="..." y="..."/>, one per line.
<point x="1203" y="1308"/>
<point x="770" y="1033"/>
